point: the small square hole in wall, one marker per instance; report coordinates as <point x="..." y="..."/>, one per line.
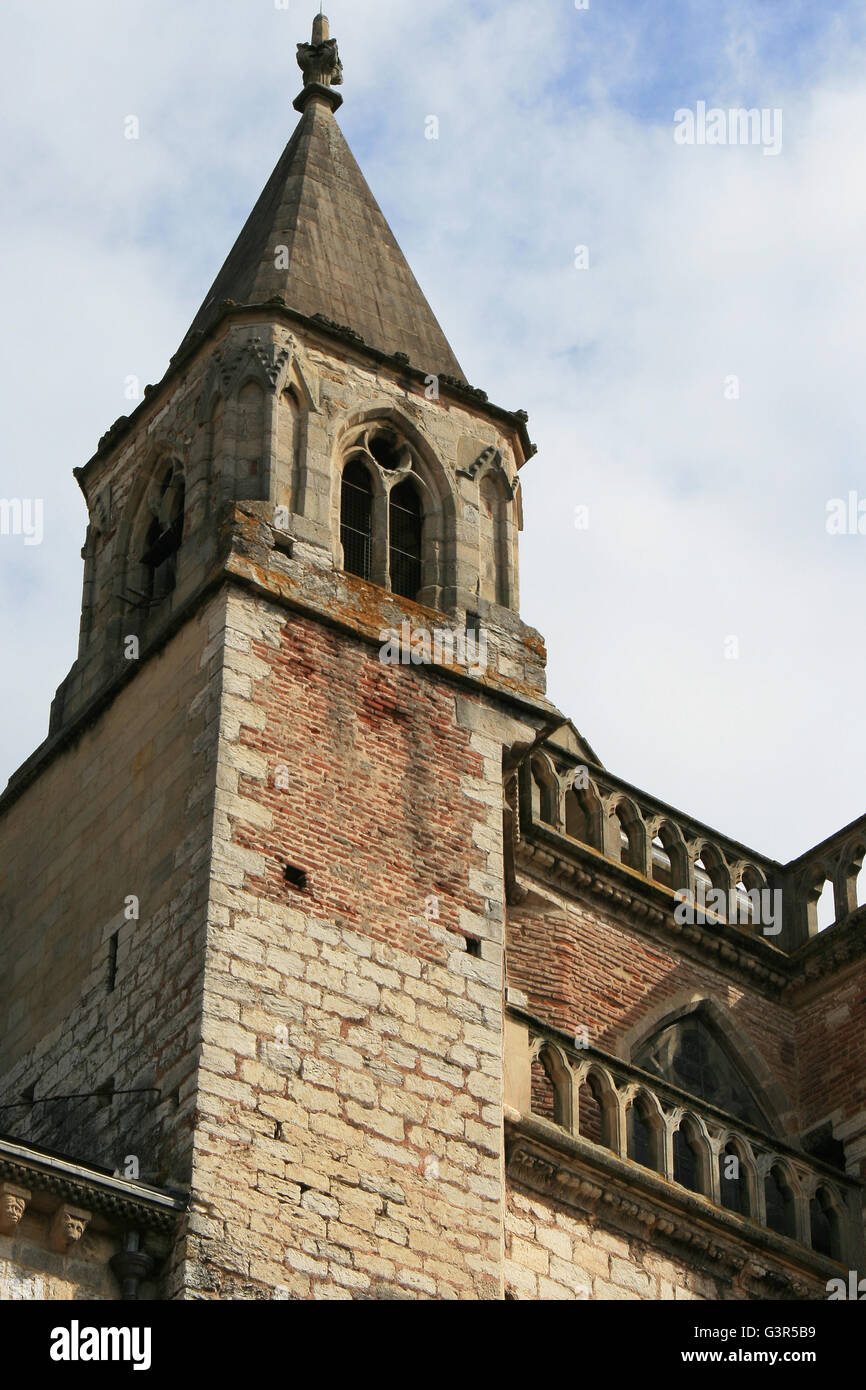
<point x="295" y="876"/>
<point x="473" y="946"/>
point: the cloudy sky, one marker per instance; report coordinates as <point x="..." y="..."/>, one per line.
<point x="698" y="387"/>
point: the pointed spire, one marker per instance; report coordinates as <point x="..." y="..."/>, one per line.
<point x="318" y="240"/>
<point x="320" y="63"/>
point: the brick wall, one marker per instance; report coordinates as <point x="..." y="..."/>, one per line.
<point x="831" y="1021"/>
<point x="349" y="1140"/>
<point x="581" y="967"/>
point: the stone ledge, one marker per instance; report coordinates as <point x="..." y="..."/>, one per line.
<point x="546" y="1162"/>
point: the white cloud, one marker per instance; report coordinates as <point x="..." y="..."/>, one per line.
<point x="707" y="514"/>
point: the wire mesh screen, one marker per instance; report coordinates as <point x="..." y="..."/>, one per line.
<point x="356" y="520"/>
<point x="405" y="556"/>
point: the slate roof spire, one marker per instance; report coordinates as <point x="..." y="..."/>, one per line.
<point x="317" y="238"/>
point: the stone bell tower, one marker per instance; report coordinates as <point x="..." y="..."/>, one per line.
<point x="253" y="881"/>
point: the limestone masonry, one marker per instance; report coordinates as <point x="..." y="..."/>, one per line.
<point x="337" y="972"/>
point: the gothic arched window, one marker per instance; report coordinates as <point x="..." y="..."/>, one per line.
<point x="406" y="522"/>
<point x="390" y="518"/>
<point x="163" y="536"/>
<point x="356" y="518"/>
<point x="688" y="1055"/>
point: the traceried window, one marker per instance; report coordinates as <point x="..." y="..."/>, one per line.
<point x="688" y="1054"/>
<point x="382" y="511"/>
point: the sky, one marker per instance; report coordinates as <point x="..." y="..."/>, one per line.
<point x="684" y="323"/>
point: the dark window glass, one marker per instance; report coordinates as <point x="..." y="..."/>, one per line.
<point x="685" y="1162"/>
<point x="356" y="518"/>
<point x="639" y="1138"/>
<point x="780" y="1205"/>
<point x="387" y="450"/>
<point x="732" y="1189"/>
<point x="405" y="550"/>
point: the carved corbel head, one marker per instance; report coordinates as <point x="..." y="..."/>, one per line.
<point x="13" y="1202"/>
<point x="68" y="1227"/>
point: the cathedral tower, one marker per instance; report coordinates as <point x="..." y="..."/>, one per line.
<point x="303" y="799"/>
<point x="260" y="853"/>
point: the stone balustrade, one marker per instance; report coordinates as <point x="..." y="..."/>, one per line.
<point x="835" y="868"/>
<point x="572" y="804"/>
<point x="605" y="1102"/>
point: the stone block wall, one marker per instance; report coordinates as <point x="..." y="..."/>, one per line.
<point x="30" y="1269"/>
<point x="552" y="1253"/>
<point x="349" y="1142"/>
<point x="123" y="811"/>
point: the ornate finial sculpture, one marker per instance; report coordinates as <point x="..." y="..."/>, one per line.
<point x="320" y="63"/>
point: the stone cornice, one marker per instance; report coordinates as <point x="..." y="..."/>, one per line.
<point x="641" y="1204"/>
<point x="88" y="1190"/>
